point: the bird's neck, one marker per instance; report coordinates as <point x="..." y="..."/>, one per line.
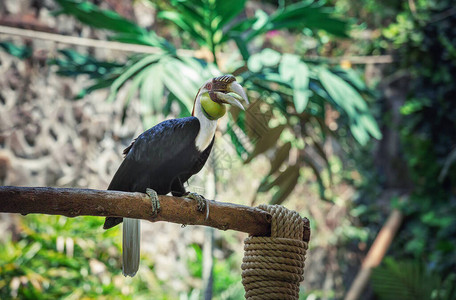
<point x="207" y="128"/>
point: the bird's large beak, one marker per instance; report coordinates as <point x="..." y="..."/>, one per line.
<point x="231" y="92"/>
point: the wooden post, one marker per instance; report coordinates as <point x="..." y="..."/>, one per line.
<point x="375" y="255"/>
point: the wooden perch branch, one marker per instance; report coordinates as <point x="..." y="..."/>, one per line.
<point x="85" y="202"/>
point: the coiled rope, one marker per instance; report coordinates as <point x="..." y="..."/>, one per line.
<point x="273" y="267"/>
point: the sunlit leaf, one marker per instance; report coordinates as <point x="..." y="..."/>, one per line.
<point x="370" y="124"/>
<point x="152" y="88"/>
<point x="351" y="102"/>
<point x="353" y="77"/>
<point x="359" y="133"/>
<point x="287" y="67"/>
<point x="342" y="94"/>
<point x="262" y="19"/>
<point x="301" y="87"/>
<point x="129" y="72"/>
<point x="178" y="80"/>
<point x="255" y="63"/>
<point x="270" y="57"/>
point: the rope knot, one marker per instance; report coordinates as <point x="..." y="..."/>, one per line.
<point x="273" y="267"/>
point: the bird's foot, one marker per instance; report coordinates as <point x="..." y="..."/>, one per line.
<point x="201" y="202"/>
<point x="155" y="201"/>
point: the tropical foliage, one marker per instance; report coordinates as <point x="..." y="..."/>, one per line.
<point x="291" y="96"/>
<point x="300" y="106"/>
<point x="60" y="257"/>
<point x="410" y="280"/>
<point x="421" y="36"/>
<point x="429" y="144"/>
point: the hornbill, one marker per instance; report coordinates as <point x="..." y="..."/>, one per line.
<point x="163" y="158"/>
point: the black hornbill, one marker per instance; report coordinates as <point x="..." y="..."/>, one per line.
<point x="164" y="157"/>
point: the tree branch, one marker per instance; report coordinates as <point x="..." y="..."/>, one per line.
<point x="85" y="202"/>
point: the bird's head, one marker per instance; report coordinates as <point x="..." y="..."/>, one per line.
<point x="217" y="92"/>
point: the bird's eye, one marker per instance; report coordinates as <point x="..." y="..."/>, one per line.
<point x="208" y="86"/>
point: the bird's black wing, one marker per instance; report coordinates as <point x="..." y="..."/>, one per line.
<point x="155" y="150"/>
<point x="152" y="159"/>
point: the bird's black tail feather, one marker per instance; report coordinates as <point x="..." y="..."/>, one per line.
<point x="111" y="222"/>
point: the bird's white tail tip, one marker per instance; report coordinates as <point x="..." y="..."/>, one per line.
<point x="130" y="246"/>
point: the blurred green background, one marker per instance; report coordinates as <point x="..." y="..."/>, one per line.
<point x="352" y="115"/>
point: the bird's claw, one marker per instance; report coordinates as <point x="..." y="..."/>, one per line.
<point x="155" y="201"/>
<point x="201" y="202"/>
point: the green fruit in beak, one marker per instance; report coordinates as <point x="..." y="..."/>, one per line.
<point x="212" y="109"/>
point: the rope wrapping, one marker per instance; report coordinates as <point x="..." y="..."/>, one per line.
<point x="273" y="267"/>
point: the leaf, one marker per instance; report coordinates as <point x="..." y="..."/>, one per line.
<point x="177" y="19"/>
<point x="351" y="102"/>
<point x="287" y="67"/>
<point x="359" y="133"/>
<point x="368" y="122"/>
<point x="267" y="184"/>
<point x="242" y="46"/>
<point x="299" y="16"/>
<point x="255" y="62"/>
<point x="403" y="280"/>
<point x="314" y="168"/>
<point x="238" y="117"/>
<point x="280" y="156"/>
<point x="228" y="10"/>
<point x="303" y="15"/>
<point x="236" y="140"/>
<point x="259" y="26"/>
<point x="256" y="121"/>
<point x="135" y="84"/>
<point x="293" y="10"/>
<point x="353" y="77"/>
<point x="132" y="90"/>
<point x="266" y="141"/>
<point x="100" y="84"/>
<point x="301" y="87"/>
<point x="319" y="149"/>
<point x="94" y="16"/>
<point x="125" y="30"/>
<point x="286" y="182"/>
<point x="191" y="12"/>
<point x="286" y="186"/>
<point x="74" y="63"/>
<point x="274" y="77"/>
<point x="270" y="58"/>
<point x="129" y="72"/>
<point x="151" y="92"/>
<point x="342" y="94"/>
<point x="262" y="18"/>
<point x="178" y="80"/>
<point x="21" y="52"/>
<point x="239" y="28"/>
